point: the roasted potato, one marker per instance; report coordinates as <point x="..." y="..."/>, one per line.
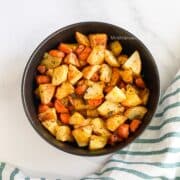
<point x="133" y="63"/>
<point x="89" y="71"/>
<point x="50" y="126"/>
<point x="116" y="48"/>
<point x="63" y="133"/>
<point x="74" y="74"/>
<point x="92" y="113"/>
<point x="84" y="123"/>
<point x="98" y="39"/>
<point x="144" y="95"/>
<point x="78" y="104"/>
<point x="59" y="75"/>
<point x="46" y="92"/>
<point x="49" y="114"/>
<point x="137" y="112"/>
<point x="96" y="56"/>
<point x="97" y="142"/>
<point x="109" y="108"/>
<point x="76" y="119"/>
<point x="114" y="122"/>
<point x="71" y="58"/>
<point x="49" y="72"/>
<point x="64" y="90"/>
<point x="111" y="59"/>
<point x="50" y="61"/>
<point x="126" y="75"/>
<point x="105" y="73"/>
<point x="82" y="39"/>
<point x="82" y="135"/>
<point x="115" y="77"/>
<point x="132" y="98"/>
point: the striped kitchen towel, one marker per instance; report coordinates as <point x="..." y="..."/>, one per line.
<point x="154" y="155"/>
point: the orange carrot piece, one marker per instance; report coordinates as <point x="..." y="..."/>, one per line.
<point x="81" y="89"/>
<point x="56" y="53"/>
<point x="85" y="53"/>
<point x="42" y="79"/>
<point x="140" y="83"/>
<point x="95" y="77"/>
<point x="95" y="102"/>
<point x="108" y="89"/>
<point x="41" y="69"/>
<point x="42" y="108"/>
<point x="134" y="124"/>
<point x="79" y="49"/>
<point x="64" y="48"/>
<point x="60" y="108"/>
<point x="64" y="117"/>
<point x="123" y="131"/>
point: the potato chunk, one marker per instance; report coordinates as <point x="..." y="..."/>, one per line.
<point x="115" y="76"/>
<point x="92" y="113"/>
<point x="50" y="126"/>
<point x="97" y="142"/>
<point x="76" y="119"/>
<point x="64" y="90"/>
<point x="51" y="61"/>
<point x="137" y="112"/>
<point x="115" y="121"/>
<point x="82" y="135"/>
<point x="98" y="39"/>
<point x="59" y="75"/>
<point x="49" y="114"/>
<point x="111" y="59"/>
<point x="116" y="48"/>
<point x="127" y="75"/>
<point x="63" y="133"/>
<point x="74" y="74"/>
<point x="144" y="95"/>
<point x="89" y="71"/>
<point x="96" y="56"/>
<point x="105" y="73"/>
<point x="71" y="58"/>
<point x="109" y="108"/>
<point x="95" y="91"/>
<point x="46" y="92"/>
<point x="132" y="98"/>
<point x="133" y="63"/>
<point x="82" y="39"/>
<point x="116" y="95"/>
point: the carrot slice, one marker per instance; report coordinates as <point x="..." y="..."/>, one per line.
<point x="108" y="89"/>
<point x="81" y="89"/>
<point x="42" y="79"/>
<point x="64" y="117"/>
<point x="41" y="69"/>
<point x="60" y="108"/>
<point x="42" y="108"/>
<point x="95" y="77"/>
<point x="85" y="53"/>
<point x="123" y="131"/>
<point x="79" y="49"/>
<point x="140" y="83"/>
<point x="134" y="124"/>
<point x="95" y="102"/>
<point x="65" y="48"/>
<point x="56" y="53"/>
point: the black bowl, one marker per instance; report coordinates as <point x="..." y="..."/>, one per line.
<point x="130" y="44"/>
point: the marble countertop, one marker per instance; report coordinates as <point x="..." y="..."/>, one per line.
<point x="24" y="24"/>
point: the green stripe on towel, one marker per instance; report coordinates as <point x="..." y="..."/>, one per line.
<point x="176" y="79"/>
<point x="14" y="173"/>
<point x="98" y="178"/>
<point x="2" y="166"/>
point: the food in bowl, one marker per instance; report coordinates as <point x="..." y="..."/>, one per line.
<point x="90" y="92"/>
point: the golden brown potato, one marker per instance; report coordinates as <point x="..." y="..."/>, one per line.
<point x="64" y="90"/>
<point x="71" y="58"/>
<point x="82" y="39"/>
<point x="49" y="114"/>
<point x="109" y="108"/>
<point x="51" y="61"/>
<point x="89" y="71"/>
<point x="96" y="56"/>
<point x="105" y="73"/>
<point x="95" y="91"/>
<point x="84" y="123"/>
<point x="116" y="95"/>
<point x="49" y="72"/>
<point x="78" y="104"/>
<point x="98" y="39"/>
<point x="92" y="113"/>
<point x="46" y="92"/>
<point x="133" y="63"/>
<point x="63" y="133"/>
<point x="144" y="95"/>
<point x="50" y="126"/>
<point x="97" y="142"/>
<point x="59" y="75"/>
<point x="126" y="75"/>
<point x="136" y="112"/>
<point x="115" y="121"/>
<point x="76" y="119"/>
<point x="132" y="98"/>
<point x="82" y="135"/>
<point x="74" y="74"/>
<point x="111" y="59"/>
<point x="115" y="77"/>
<point x="116" y="48"/>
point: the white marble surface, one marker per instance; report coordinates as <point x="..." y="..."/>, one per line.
<point x="24" y="24"/>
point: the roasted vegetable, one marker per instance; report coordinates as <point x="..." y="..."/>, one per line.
<point x="89" y="71"/>
<point x="115" y="76"/>
<point x="71" y="58"/>
<point x="98" y="39"/>
<point x="105" y="73"/>
<point x="49" y="114"/>
<point x="82" y="39"/>
<point x="76" y="119"/>
<point x="110" y="59"/>
<point x="144" y="95"/>
<point x="116" y="48"/>
<point x="50" y="125"/>
<point x="97" y="142"/>
<point x="63" y="133"/>
<point x="126" y="75"/>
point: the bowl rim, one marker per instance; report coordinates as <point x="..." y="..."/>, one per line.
<point x="23" y="89"/>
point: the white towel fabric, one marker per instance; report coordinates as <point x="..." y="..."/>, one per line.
<point x="154" y="155"/>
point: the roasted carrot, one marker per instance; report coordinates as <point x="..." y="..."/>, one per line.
<point x="42" y="79"/>
<point x="56" y="53"/>
<point x="115" y="76"/>
<point x="134" y="124"/>
<point x="123" y="131"/>
<point x="81" y="89"/>
<point x="79" y="49"/>
<point x="41" y="69"/>
<point x="64" y="117"/>
<point x="95" y="102"/>
<point x="113" y="139"/>
<point x="42" y="108"/>
<point x="108" y="89"/>
<point x="95" y="77"/>
<point x="140" y="83"/>
<point x="60" y="108"/>
<point x="64" y="48"/>
<point x="122" y="85"/>
<point x="50" y="104"/>
<point x="84" y="54"/>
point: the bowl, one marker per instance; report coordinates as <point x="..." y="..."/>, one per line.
<point x="129" y="42"/>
